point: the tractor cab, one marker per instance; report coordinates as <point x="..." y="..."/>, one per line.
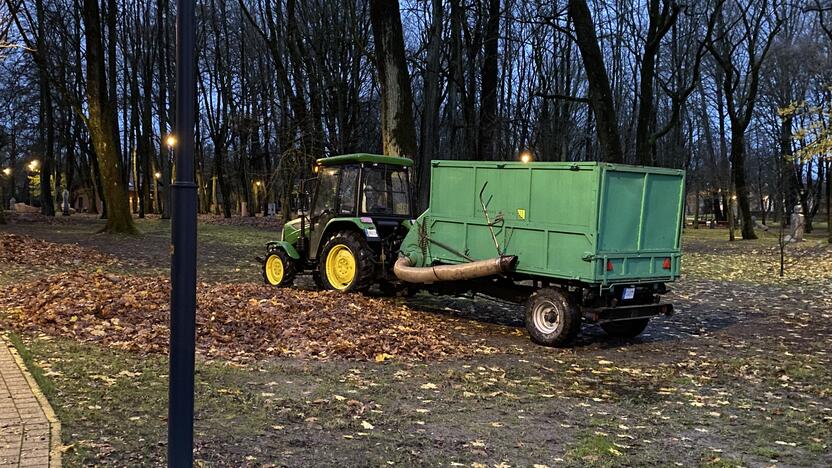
<point x="352" y="221"/>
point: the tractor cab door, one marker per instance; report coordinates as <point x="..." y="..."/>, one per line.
<point x="335" y="196"/>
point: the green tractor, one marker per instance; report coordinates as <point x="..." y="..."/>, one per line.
<point x="352" y="220"/>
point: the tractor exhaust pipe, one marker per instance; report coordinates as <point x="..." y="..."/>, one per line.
<point x="405" y="271"/>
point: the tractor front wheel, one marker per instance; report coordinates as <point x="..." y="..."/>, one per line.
<point x="279" y="269"/>
<point x="346" y="262"/>
<point x="552" y="318"/>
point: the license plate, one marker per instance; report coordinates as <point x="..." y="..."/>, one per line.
<point x="628" y="293"/>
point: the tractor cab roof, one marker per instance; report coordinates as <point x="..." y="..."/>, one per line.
<point x="365" y="158"/>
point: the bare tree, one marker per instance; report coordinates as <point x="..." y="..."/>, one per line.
<point x="600" y="92"/>
<point x="398" y="132"/>
<point x="740" y="50"/>
<point x="102" y="128"/>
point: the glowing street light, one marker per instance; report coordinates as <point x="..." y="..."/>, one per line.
<point x="157" y="175"/>
<point x="7" y="171"/>
<point x="170" y="140"/>
<point x="257" y="183"/>
<point x="33" y="166"/>
<point x="526" y="157"/>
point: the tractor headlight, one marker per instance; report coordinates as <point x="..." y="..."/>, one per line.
<point x="371" y="232"/>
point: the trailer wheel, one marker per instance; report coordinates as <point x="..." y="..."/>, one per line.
<point x="625" y="328"/>
<point x="346" y="262"/>
<point x="552" y="318"/>
<point x="279" y="269"/>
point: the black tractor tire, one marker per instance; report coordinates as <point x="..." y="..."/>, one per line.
<point x="363" y="257"/>
<point x="288" y="269"/>
<point x="625" y="328"/>
<point x="552" y="317"/>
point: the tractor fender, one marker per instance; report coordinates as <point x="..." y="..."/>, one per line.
<point x="285" y="246"/>
<point x="340" y="224"/>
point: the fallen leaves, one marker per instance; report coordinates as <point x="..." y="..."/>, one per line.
<point x="25" y="250"/>
<point x="234" y="321"/>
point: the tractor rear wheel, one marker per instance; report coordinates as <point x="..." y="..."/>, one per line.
<point x="552" y="318"/>
<point x="625" y="328"/>
<point x="346" y="262"/>
<point x="279" y="269"/>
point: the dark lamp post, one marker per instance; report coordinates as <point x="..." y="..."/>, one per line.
<point x="183" y="249"/>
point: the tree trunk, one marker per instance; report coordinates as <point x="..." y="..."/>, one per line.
<point x="487" y="141"/>
<point x="430" y="116"/>
<point x="600" y="92"/>
<point x="740" y="185"/>
<point x="790" y="180"/>
<point x="696" y="208"/>
<point x="47" y="125"/>
<point x="829" y="198"/>
<point x="102" y="127"/>
<point x="163" y="203"/>
<point x="398" y="132"/>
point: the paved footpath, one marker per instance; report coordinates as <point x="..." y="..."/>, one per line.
<point x="29" y="430"/>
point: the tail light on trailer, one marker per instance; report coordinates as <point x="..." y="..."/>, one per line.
<point x="666" y="264"/>
<point x="609" y="265"/>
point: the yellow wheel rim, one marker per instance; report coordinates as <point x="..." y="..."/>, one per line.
<point x="274" y="269"/>
<point x="340" y="267"/>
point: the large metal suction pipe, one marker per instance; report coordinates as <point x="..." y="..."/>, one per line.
<point x="405" y="271"/>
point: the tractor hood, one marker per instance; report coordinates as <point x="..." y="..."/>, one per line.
<point x="291" y="231"/>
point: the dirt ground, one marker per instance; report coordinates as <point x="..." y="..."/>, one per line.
<point x="739" y="376"/>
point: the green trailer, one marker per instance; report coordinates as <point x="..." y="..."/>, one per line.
<point x="578" y="241"/>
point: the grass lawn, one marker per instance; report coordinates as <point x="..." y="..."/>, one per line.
<point x="741" y="375"/>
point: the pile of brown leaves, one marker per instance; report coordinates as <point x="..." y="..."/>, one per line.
<point x="25" y="250"/>
<point x="234" y="321"/>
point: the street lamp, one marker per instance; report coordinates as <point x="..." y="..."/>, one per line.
<point x="156" y="176"/>
<point x="257" y="197"/>
<point x="33" y="168"/>
<point x="170" y="140"/>
<point x="526" y="157"/>
<point x="8" y="173"/>
<point x="183" y="248"/>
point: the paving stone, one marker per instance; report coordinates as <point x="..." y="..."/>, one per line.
<point x="25" y="431"/>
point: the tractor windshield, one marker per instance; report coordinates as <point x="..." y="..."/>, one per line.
<point x="386" y="191"/>
<point x="334" y="196"/>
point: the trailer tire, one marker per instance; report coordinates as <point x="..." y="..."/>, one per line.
<point x="279" y="269"/>
<point x="346" y="262"/>
<point x="552" y="318"/>
<point x="625" y="328"/>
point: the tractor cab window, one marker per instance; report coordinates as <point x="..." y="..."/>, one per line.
<point x="327" y="192"/>
<point x="349" y="186"/>
<point x="386" y="191"/>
